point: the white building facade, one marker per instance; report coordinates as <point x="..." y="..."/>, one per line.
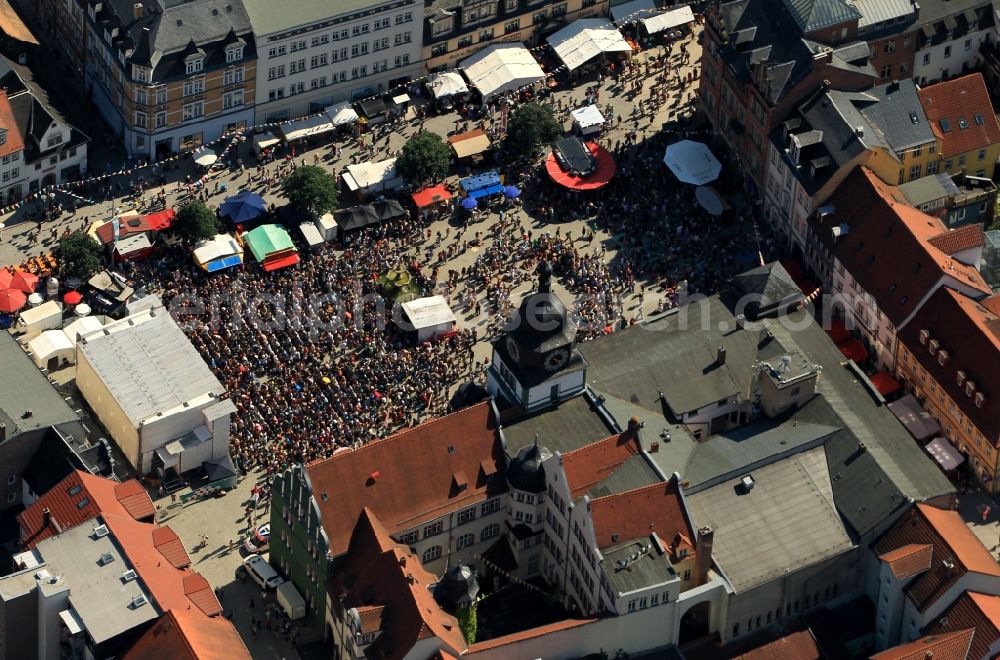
<point x="324" y="54"/>
<point x="953" y="48"/>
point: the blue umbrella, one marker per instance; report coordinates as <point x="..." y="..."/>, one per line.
<point x="243" y="206"/>
<point x="469" y="203"/>
<point x="511" y="192"/>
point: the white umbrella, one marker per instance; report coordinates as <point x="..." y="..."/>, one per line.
<point x="692" y="162"/>
<point x="206" y="158"/>
<point x="709" y="199"/>
<point x="82" y="309"/>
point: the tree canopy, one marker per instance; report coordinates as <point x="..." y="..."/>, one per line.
<point x="195" y="222"/>
<point x="529" y="128"/>
<point x="310" y="189"/>
<point x="78" y="255"/>
<point x="424" y="159"/>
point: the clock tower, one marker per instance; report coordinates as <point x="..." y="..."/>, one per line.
<point x="535" y="362"/>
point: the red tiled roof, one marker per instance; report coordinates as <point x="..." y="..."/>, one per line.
<point x="638" y="513"/>
<point x="90" y="496"/>
<point x="170" y="547"/>
<point x="953" y="542"/>
<point x="908" y="560"/>
<point x="14" y="140"/>
<point x="992" y="304"/>
<point x="948" y="646"/>
<point x="887" y="247"/>
<point x="589" y="465"/>
<point x="407" y="479"/>
<point x="172" y="588"/>
<point x="972" y="610"/>
<point x="796" y="646"/>
<point x="969" y="332"/>
<point x="395" y="579"/>
<point x="959" y="240"/>
<point x="182" y="636"/>
<point x="956" y="100"/>
<point x="530" y="633"/>
<point x="371" y="618"/>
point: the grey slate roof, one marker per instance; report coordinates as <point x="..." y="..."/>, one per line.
<point x="898" y="114"/>
<point x="786" y="522"/>
<point x="23" y="387"/>
<point x="649" y="569"/>
<point x="571" y="425"/>
<point x="879" y="11"/>
<point x="149" y="367"/>
<point x="813" y="15"/>
<point x="636" y="472"/>
<point x="268" y="16"/>
<point x="935" y="10"/>
<point x="770" y="283"/>
<point x="929" y="188"/>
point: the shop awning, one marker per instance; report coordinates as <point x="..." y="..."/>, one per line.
<point x="502" y="68"/>
<point x="884" y="383"/>
<point x="630" y="12"/>
<point x="223" y="263"/>
<point x="431" y="196"/>
<point x="838" y="329"/>
<point x="944" y="453"/>
<point x="72" y="621"/>
<point x="303" y="128"/>
<point x="586" y="38"/>
<point x="264" y="140"/>
<point x="132" y="244"/>
<point x="917" y="421"/>
<point x="471" y="143"/>
<point x="401" y="99"/>
<point x="278" y="263"/>
<point x="853" y="349"/>
<point x="341" y="114"/>
<point x="668" y="19"/>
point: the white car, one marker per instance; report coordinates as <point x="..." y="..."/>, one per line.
<point x="258" y="541"/>
<point x="262" y="573"/>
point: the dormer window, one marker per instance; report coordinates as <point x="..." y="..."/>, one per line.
<point x="234" y="54"/>
<point x="943" y="357"/>
<point x="194" y="64"/>
<point x="960" y="378"/>
<point x="3" y="137"/>
<point x="140" y="73"/>
<point x="933" y="346"/>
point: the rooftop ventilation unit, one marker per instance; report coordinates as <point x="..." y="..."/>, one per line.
<point x="748" y="483"/>
<point x="106" y="559"/>
<point x="138" y="602"/>
<point x="101" y="531"/>
<point x="129" y="575"/>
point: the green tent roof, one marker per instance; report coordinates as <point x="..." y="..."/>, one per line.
<point x="268" y="239"/>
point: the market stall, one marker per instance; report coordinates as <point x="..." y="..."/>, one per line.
<point x="218" y="253"/>
<point x="470" y="145"/>
<point x="272" y="247"/>
<point x="342" y="114"/>
<point x="501" y="68"/>
<point x="585" y="39"/>
<point x="429" y="318"/>
<point x="482" y="185"/>
<point x="588" y="120"/>
<point x="263" y="141"/>
<point x="51" y="349"/>
<point x="366" y="179"/>
<point x="445" y="87"/>
<point x="299" y="129"/>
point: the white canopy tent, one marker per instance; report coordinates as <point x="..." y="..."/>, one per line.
<point x="588" y="119"/>
<point x="51" y="344"/>
<point x="341" y="113"/>
<point x="217" y="247"/>
<point x="303" y="128"/>
<point x="668" y="19"/>
<point x="447" y="83"/>
<point x="586" y="38"/>
<point x="205" y="157"/>
<point x="692" y="162"/>
<point x="82" y="326"/>
<point x="430" y="317"/>
<point x="365" y="178"/>
<point x="264" y="140"/>
<point x="631" y="12"/>
<point x="502" y="68"/>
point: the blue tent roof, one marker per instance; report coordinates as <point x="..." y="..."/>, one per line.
<point x="473" y="183"/>
<point x="243" y="206"/>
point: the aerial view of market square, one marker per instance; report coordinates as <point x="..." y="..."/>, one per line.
<point x="499" y="329"/>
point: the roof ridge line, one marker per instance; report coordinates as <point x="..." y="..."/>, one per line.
<point x="658" y="484"/>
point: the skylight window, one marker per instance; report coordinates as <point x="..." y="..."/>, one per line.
<point x="913" y="118"/>
<point x="962" y="124"/>
<point x="75" y="489"/>
<point x="82" y="503"/>
<point x="945" y="125"/>
<point x="979" y="119"/>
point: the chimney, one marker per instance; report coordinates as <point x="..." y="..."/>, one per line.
<point x="720" y="357"/>
<point x="3" y="432"/>
<point x="859" y="131"/>
<point x="654" y="447"/>
<point x="46" y="517"/>
<point x="703" y="555"/>
<point x="137" y="11"/>
<point x="633" y="427"/>
<point x="409" y="578"/>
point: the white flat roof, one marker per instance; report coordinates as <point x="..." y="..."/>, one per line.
<point x="366" y="175"/>
<point x="588" y="116"/>
<point x="502" y="68"/>
<point x="148" y="364"/>
<point x="428" y="312"/>
<point x="668" y="19"/>
<point x="586" y="38"/>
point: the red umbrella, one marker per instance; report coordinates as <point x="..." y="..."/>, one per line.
<point x="6" y="277"/>
<point x="12" y="300"/>
<point x="72" y="298"/>
<point x="25" y="281"/>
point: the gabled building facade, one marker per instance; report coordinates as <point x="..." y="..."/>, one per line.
<point x="962" y="117"/>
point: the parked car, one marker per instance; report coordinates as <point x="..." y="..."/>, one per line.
<point x="262" y="573"/>
<point x="258" y="541"/>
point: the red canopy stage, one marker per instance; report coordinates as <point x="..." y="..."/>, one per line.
<point x="606" y="169"/>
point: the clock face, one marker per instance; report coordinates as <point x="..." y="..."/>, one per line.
<point x="556" y="360"/>
<point x="513" y="349"/>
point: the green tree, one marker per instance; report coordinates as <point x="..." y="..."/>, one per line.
<point x="310" y="189"/>
<point x="424" y="159"/>
<point x="195" y="222"/>
<point x="468" y="622"/>
<point x="78" y="255"/>
<point x="529" y="128"/>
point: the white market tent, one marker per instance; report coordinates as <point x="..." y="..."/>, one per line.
<point x="218" y="247"/>
<point x="447" y="83"/>
<point x="633" y="11"/>
<point x="430" y="317"/>
<point x="51" y="344"/>
<point x="365" y="178"/>
<point x="303" y="128"/>
<point x="502" y="68"/>
<point x="692" y="162"/>
<point x="668" y="20"/>
<point x="264" y="140"/>
<point x="588" y="119"/>
<point x="586" y="38"/>
<point x="341" y="113"/>
<point x="82" y="326"/>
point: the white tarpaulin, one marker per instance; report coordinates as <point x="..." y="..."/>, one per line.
<point x="587" y="116"/>
<point x="81" y="327"/>
<point x="445" y="84"/>
<point x="668" y="19"/>
<point x="221" y="245"/>
<point x="631" y="12"/>
<point x="302" y="128"/>
<point x="51" y="344"/>
<point x="944" y="453"/>
<point x="205" y="157"/>
<point x="372" y="177"/>
<point x="692" y="162"/>
<point x="341" y="114"/>
<point x="263" y="141"/>
<point x="502" y="68"/>
<point x="430" y="317"/>
<point x="586" y="38"/>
